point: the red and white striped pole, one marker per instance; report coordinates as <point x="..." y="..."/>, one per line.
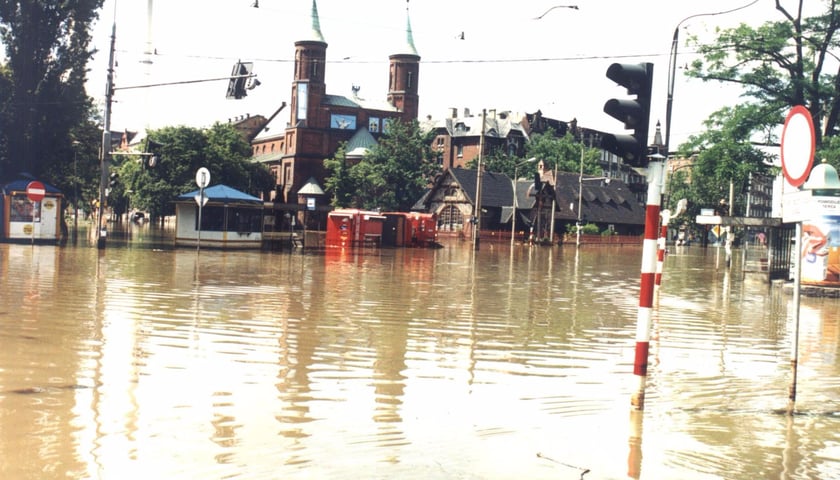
<point x="645" y="315"/>
<point x="663" y="241"/>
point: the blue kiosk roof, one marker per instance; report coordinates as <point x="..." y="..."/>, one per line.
<point x="222" y="194"/>
<point x="21" y="184"/>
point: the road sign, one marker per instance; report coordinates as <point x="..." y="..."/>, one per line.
<point x="35" y="191"/>
<point x="798" y="146"/>
<point x="201" y="199"/>
<point x="202" y="177"/>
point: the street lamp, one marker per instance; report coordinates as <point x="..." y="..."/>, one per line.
<point x="515" y="202"/>
<point x="573" y="7"/>
<point x="606" y="180"/>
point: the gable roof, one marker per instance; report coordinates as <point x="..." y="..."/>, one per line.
<point x="496" y="188"/>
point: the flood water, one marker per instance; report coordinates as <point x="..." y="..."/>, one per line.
<point x="162" y="363"/>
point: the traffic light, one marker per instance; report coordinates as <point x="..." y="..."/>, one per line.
<point x="114" y="179"/>
<point x="239" y="83"/>
<point x="635" y="113"/>
<point x="152" y="157"/>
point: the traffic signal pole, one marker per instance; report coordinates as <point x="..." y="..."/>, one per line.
<point x="644" y="319"/>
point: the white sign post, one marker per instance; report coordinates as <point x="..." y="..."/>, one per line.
<point x="202" y="179"/>
<point x="797" y="148"/>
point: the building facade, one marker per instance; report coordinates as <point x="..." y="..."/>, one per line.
<point x="320" y="122"/>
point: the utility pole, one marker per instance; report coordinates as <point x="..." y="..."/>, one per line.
<point x="477" y="215"/>
<point x="105" y="153"/>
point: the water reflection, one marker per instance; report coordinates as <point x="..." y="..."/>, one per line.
<point x="143" y="360"/>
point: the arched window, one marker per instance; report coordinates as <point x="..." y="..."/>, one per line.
<point x="450" y="219"/>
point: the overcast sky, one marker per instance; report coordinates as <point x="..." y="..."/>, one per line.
<point x="507" y="60"/>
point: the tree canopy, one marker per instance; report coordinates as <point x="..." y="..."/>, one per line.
<point x="392" y="176"/>
<point x="42" y="86"/>
<point x="779" y="64"/>
<point x="562" y="152"/>
<point x="182" y="151"/>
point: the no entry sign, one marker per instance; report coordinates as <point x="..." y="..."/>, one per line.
<point x="798" y="146"/>
<point x="35" y="191"/>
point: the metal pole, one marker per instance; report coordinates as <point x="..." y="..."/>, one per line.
<point x="644" y="318"/>
<point x="75" y="191"/>
<point x="553" y="207"/>
<point x="580" y="196"/>
<point x="513" y="220"/>
<point x="105" y="153"/>
<point x="794" y="351"/>
<point x="477" y="225"/>
<point x="200" y="208"/>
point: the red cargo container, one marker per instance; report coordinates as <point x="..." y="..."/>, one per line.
<point x="413" y="229"/>
<point x="353" y="227"/>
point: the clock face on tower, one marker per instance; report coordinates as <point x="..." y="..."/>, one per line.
<point x="342" y="122"/>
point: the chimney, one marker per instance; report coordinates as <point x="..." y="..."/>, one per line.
<point x="453" y="113"/>
<point x="466" y="112"/>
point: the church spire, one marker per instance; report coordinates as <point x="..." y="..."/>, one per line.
<point x="409" y="37"/>
<point x="316" y="24"/>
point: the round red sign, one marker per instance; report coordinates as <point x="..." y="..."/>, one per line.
<point x="35" y="191"/>
<point x="798" y="145"/>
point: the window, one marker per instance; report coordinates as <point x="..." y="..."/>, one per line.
<point x="22" y="209"/>
<point x="450" y="219"/>
<point x="460" y="150"/>
<point x="238" y="219"/>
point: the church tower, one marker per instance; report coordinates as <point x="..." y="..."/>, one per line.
<point x="405" y="76"/>
<point x="309" y="86"/>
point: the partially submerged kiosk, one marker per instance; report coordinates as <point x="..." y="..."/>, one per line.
<point x="230" y="219"/>
<point x="27" y="220"/>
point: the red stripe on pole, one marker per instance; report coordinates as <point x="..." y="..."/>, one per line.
<point x="646" y="292"/>
<point x="651" y="221"/>
<point x="641" y="362"/>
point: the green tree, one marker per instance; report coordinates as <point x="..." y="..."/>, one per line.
<point x="43" y="96"/>
<point x="182" y="151"/>
<point x="391" y="176"/>
<point x="498" y="161"/>
<point x="779" y="64"/>
<point x="563" y="153"/>
<point x="340" y="183"/>
<point x="721" y="155"/>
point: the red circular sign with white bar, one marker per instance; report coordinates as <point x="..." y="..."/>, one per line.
<point x="798" y="146"/>
<point x="35" y="191"/>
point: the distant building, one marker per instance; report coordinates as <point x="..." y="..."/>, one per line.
<point x="458" y="138"/>
<point x="320" y="122"/>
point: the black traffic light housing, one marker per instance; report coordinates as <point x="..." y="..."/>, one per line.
<point x="238" y="84"/>
<point x="152" y="157"/>
<point x="635" y="113"/>
<point x="114" y="179"/>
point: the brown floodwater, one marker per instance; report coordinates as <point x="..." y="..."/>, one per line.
<point x="145" y="361"/>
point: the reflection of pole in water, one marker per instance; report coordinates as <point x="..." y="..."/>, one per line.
<point x="634" y="458"/>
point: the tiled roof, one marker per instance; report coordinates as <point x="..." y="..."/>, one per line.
<point x="602" y="203"/>
<point x="496" y="188"/>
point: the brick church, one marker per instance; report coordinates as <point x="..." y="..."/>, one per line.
<point x="320" y="122"/>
